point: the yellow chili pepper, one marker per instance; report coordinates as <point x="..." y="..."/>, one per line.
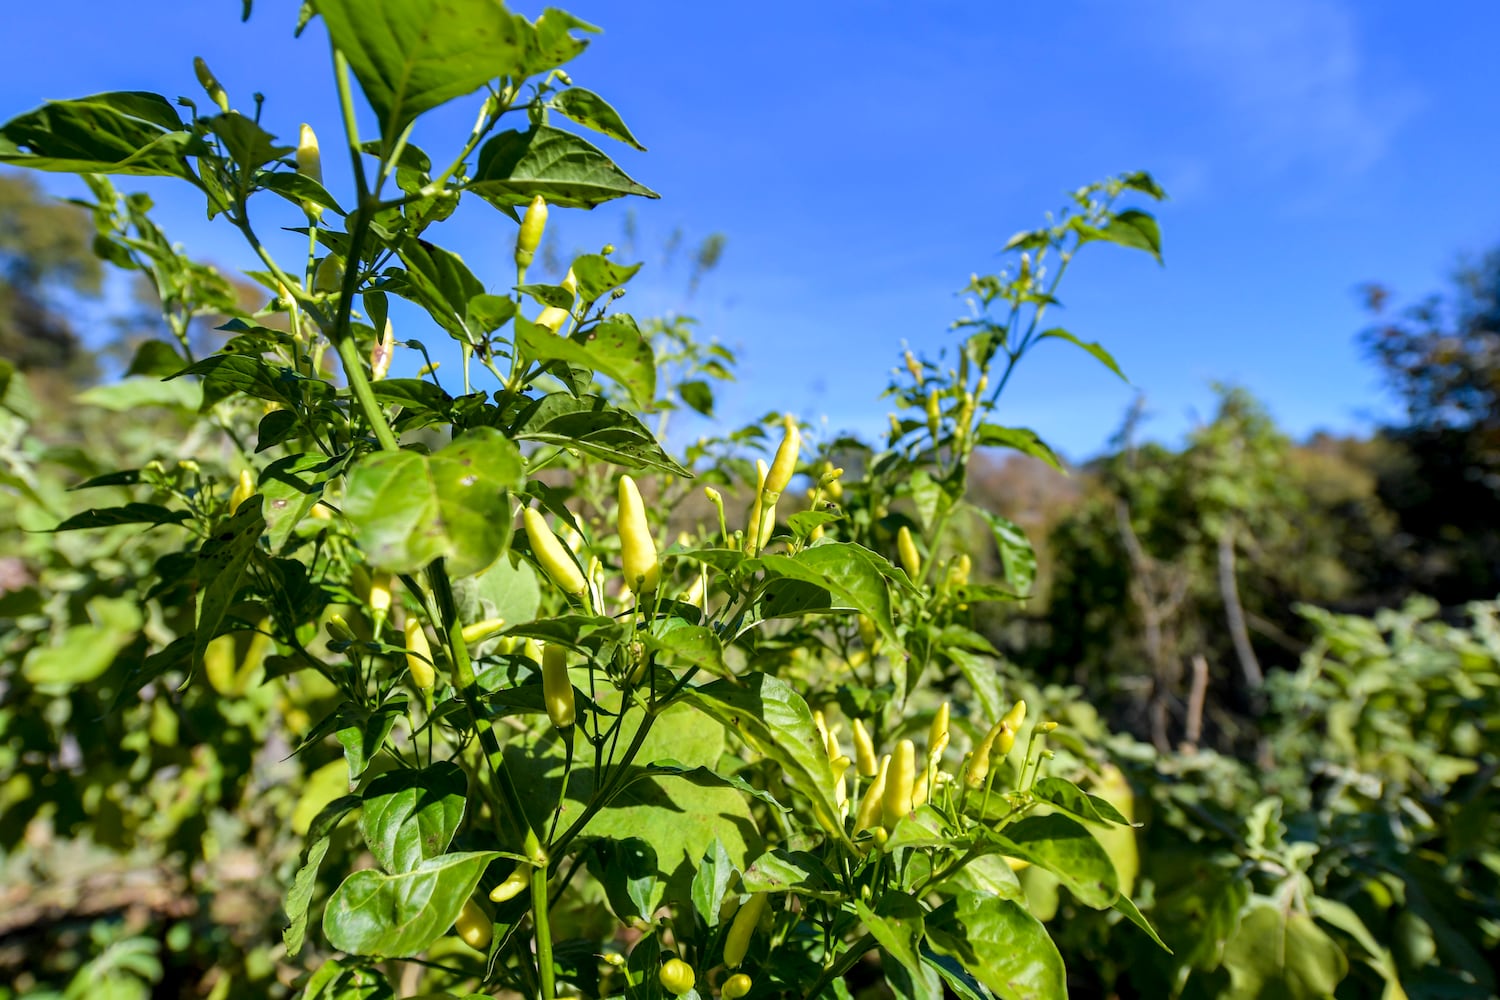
<point x="915" y="368"/>
<point x="381" y="353"/>
<point x="482" y="630"/>
<point x="244" y="489"/>
<point x="557" y="689"/>
<point x="938" y="732"/>
<point x="871" y="805"/>
<point x="533" y="223"/>
<point x="784" y="465"/>
<point x="552" y="318"/>
<point x="554" y="558"/>
<point x="676" y="977"/>
<point x="419" y="654"/>
<point x="380" y="598"/>
<point x="753" y="522"/>
<point x="328" y="276"/>
<point x="513" y="886"/>
<point x="309" y="165"/>
<point x="864" y="751"/>
<point x="934" y="415"/>
<point x="474" y="927"/>
<point x="736" y="986"/>
<point x="737" y="941"/>
<point x="210" y="83"/>
<point x="637" y="548"/>
<point x="1016" y="716"/>
<point x="899" y="783"/>
<point x="906" y="548"/>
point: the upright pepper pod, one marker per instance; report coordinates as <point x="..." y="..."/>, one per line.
<point x="913" y="366"/>
<point x="753" y="522"/>
<point x="381" y="353"/>
<point x="934" y="415"/>
<point x="211" y="84"/>
<point x="899" y="784"/>
<point x="310" y="165"/>
<point x="784" y="465"/>
<point x="557" y="689"/>
<point x="533" y="223"/>
<point x="554" y="558"/>
<point x="870" y="806"/>
<point x="637" y="548"/>
<point x="906" y="549"/>
<point x="864" y="751"/>
<point x="737" y="941"/>
<point x="244" y="489"/>
<point x="937" y="733"/>
<point x="1016" y="716"/>
<point x="419" y="654"/>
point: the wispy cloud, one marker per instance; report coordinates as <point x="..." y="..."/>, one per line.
<point x="1295" y="77"/>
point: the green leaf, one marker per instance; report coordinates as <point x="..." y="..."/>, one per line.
<point x="1069" y="798"/>
<point x="136" y="393"/>
<point x="411" y="815"/>
<point x="408" y="509"/>
<point x="1022" y="439"/>
<point x="570" y="172"/>
<point x="362" y="733"/>
<point x="597" y="275"/>
<point x="399" y="916"/>
<point x="220" y="565"/>
<point x="614" y="347"/>
<point x="898" y="926"/>
<point x="1092" y="347"/>
<point x="1001" y="945"/>
<point x="125" y="132"/>
<point x="85" y="652"/>
<point x="413" y="55"/>
<point x="773" y="719"/>
<point x="627" y="869"/>
<point x="1063" y="846"/>
<point x="1130" y="228"/>
<point x="848" y="572"/>
<point x="1277" y="953"/>
<point x="291" y="486"/>
<point x="696" y="394"/>
<point x="682" y="644"/>
<point x="1132" y="913"/>
<point x="299" y="894"/>
<point x="440" y="282"/>
<point x="711" y="882"/>
<point x="131" y="513"/>
<point x="592" y="425"/>
<point x="224" y="375"/>
<point x="592" y="111"/>
<point x="1017" y="557"/>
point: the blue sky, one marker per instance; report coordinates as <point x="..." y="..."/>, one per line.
<point x="864" y="158"/>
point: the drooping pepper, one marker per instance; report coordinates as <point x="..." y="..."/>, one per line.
<point x="736" y="986"/>
<point x="553" y="556"/>
<point x="737" y="941"/>
<point x="637" y="547"/>
<point x="533" y="223"/>
<point x="419" y="655"/>
<point x="557" y="689"/>
<point x="513" y="886"/>
<point x="244" y="489"/>
<point x="211" y="84"/>
<point x="474" y="927"/>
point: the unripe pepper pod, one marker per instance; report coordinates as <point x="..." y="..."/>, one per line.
<point x="554" y="558"/>
<point x="310" y="165"/>
<point x="934" y="415"/>
<point x="899" y="784"/>
<point x="637" y="548"/>
<point x="1016" y="716"/>
<point x="737" y="941"/>
<point x="736" y="986"/>
<point x="1006" y="741"/>
<point x="328" y="276"/>
<point x="784" y="465"/>
<point x="482" y="630"/>
<point x="533" y="223"/>
<point x="339" y="629"/>
<point x="210" y="83"/>
<point x="870" y="806"/>
<point x="419" y="655"/>
<point x="557" y="689"/>
<point x="381" y="353"/>
<point x="906" y="549"/>
<point x="474" y="927"/>
<point x="914" y="367"/>
<point x="244" y="489"/>
<point x="864" y="751"/>
<point x="513" y="886"/>
<point x="552" y="318"/>
<point x="752" y="523"/>
<point x="676" y="977"/>
<point x="937" y="733"/>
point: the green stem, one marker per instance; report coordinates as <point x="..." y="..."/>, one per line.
<point x="351" y="127"/>
<point x="543" y="927"/>
<point x="846" y="962"/>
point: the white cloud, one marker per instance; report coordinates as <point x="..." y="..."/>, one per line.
<point x="1295" y="79"/>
